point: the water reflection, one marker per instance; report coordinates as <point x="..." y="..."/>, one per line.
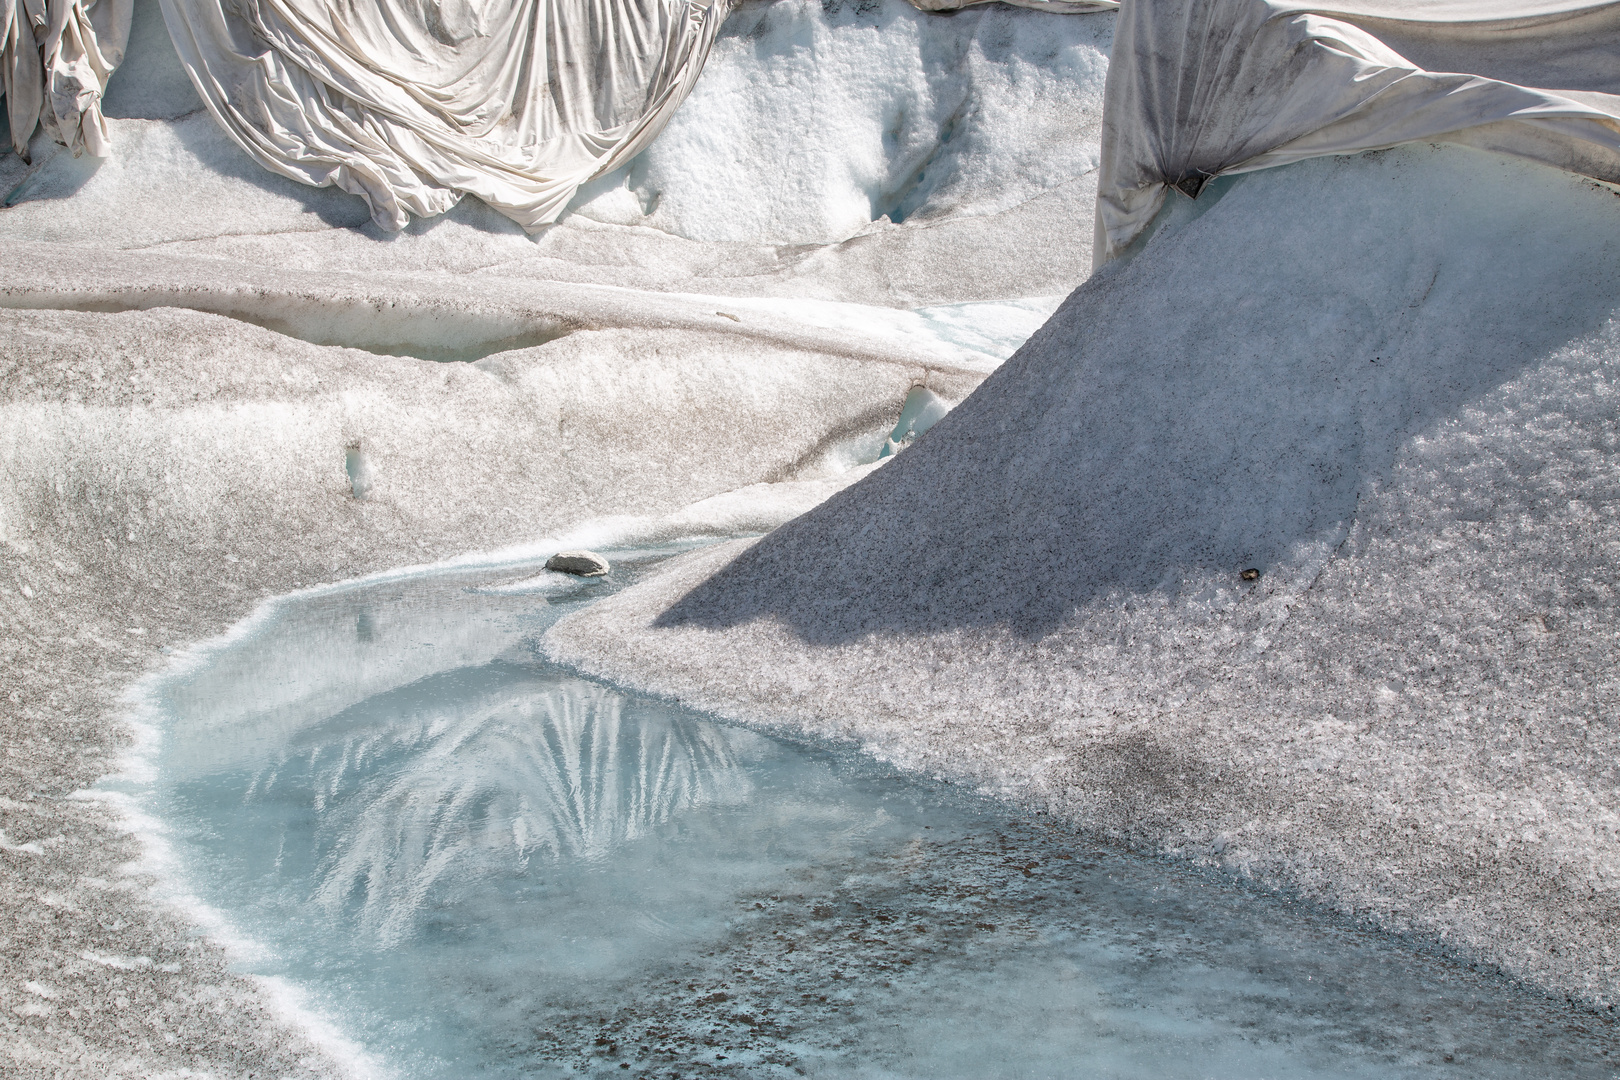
<point x="483" y="865"/>
<point x="474" y="775"/>
<point x="319" y="656"/>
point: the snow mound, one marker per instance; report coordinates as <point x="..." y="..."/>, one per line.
<point x="1389" y="385"/>
<point x="813" y="120"/>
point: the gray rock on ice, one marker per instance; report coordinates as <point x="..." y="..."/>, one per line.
<point x="582" y="563"/>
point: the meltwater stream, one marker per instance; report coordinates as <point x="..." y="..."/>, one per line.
<point x="479" y="864"/>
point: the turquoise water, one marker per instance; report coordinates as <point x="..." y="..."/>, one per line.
<point x="479" y="864"/>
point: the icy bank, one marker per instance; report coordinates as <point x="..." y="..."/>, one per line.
<point x="113" y="447"/>
<point x="1386" y="383"/>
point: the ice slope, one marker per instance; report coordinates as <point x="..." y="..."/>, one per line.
<point x="861" y="151"/>
<point x="1390" y="384"/>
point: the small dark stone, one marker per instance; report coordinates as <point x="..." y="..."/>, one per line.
<point x="581" y="563"/>
<point x="1251" y="574"/>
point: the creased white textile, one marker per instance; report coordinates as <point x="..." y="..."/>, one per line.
<point x="412" y="103"/>
<point x="1198" y="88"/>
<point x="408" y="103"/>
<point x="55" y="59"/>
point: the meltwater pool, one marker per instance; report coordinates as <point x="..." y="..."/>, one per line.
<point x="478" y="864"/>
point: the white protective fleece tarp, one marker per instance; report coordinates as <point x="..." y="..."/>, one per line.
<point x="1200" y="88"/>
<point x="55" y="59"/>
<point x="412" y="103"/>
<point x="409" y="104"/>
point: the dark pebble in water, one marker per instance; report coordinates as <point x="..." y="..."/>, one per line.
<point x="582" y="563"/>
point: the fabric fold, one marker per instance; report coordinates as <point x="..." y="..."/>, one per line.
<point x="1203" y="88"/>
<point x="409" y="104"/>
<point x="55" y="59"/>
<point x="413" y="105"/>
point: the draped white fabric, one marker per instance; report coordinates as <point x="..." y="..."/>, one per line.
<point x="1199" y="88"/>
<point x="412" y="103"/>
<point x="55" y="59"/>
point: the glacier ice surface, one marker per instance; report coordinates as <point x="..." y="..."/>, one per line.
<point x="211" y="348"/>
<point x="1434" y="530"/>
<point x="1388" y="383"/>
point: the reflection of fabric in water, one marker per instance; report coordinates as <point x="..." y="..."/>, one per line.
<point x="562" y="773"/>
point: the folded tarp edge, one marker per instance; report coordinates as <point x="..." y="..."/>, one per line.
<point x="410" y="105"/>
<point x="1206" y="88"/>
<point x="518" y="115"/>
<point x="55" y="60"/>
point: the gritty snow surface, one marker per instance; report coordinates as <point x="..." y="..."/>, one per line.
<point x="1288" y="543"/>
<point x="1389" y="386"/>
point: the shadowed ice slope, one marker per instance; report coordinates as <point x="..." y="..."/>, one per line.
<point x="1389" y="385"/>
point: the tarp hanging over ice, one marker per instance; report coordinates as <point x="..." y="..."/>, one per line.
<point x="1205" y="87"/>
<point x="409" y="104"/>
<point x="412" y="104"/>
<point x="55" y="59"/>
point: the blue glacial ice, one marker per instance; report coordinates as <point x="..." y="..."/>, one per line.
<point x="481" y="864"/>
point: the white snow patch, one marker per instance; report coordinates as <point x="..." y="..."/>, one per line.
<point x="112" y="960"/>
<point x="813" y="120"/>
